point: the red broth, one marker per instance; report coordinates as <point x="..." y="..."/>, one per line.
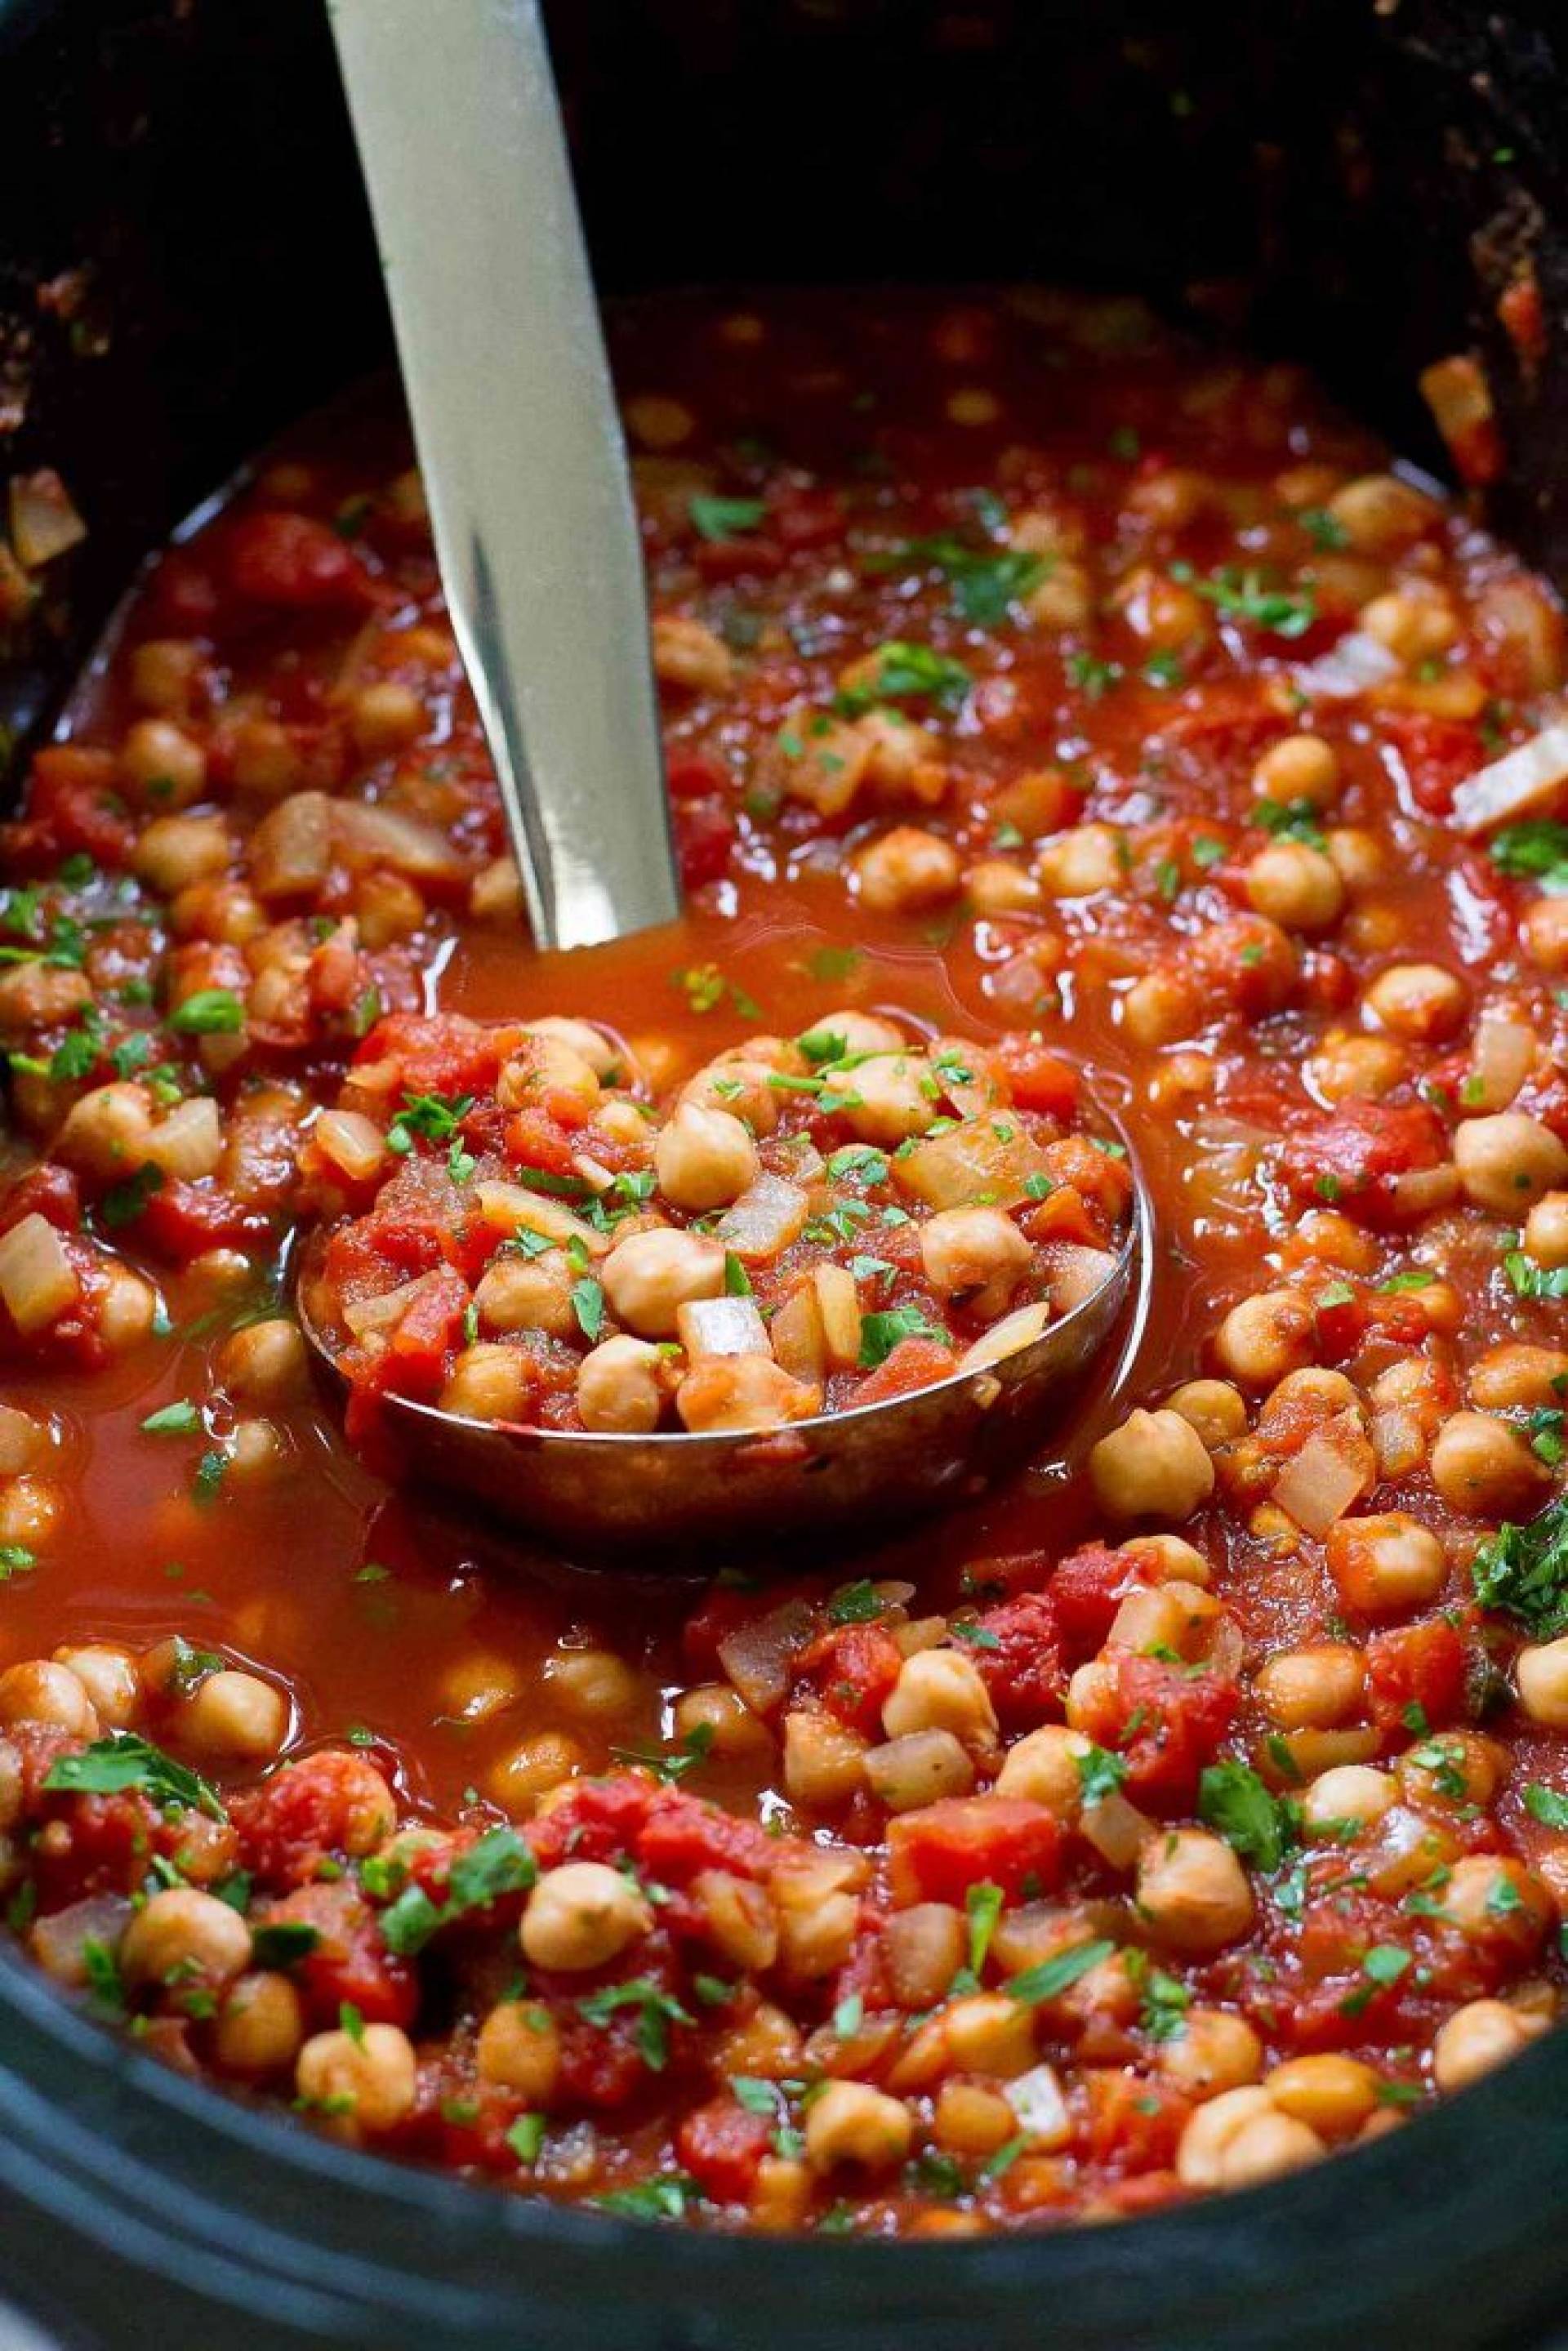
<point x="1191" y="1808"/>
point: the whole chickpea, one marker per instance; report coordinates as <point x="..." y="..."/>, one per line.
<point x="1508" y="1162"/>
<point x="1295" y="885"/>
<point x="1540" y="1677"/>
<point x="1350" y="1791"/>
<point x="260" y="2025"/>
<point x="705" y="1158"/>
<point x="852" y="2123"/>
<point x="1082" y="862"/>
<point x="1154" y="1466"/>
<point x="37" y="1691"/>
<point x="1042" y="1768"/>
<point x="937" y="1689"/>
<point x="179" y="1933"/>
<point x="1486" y="1466"/>
<point x="1418" y="1000"/>
<point x="519" y="2048"/>
<point x="162" y="766"/>
<point x="1193" y="1891"/>
<point x="649" y="1276"/>
<point x="620" y="1391"/>
<point x="487" y="1382"/>
<point x="894" y="1099"/>
<point x="266" y="1363"/>
<point x="1216" y="1409"/>
<point x="1214" y="2052"/>
<point x="368" y="2077"/>
<point x="906" y="870"/>
<point x="581" y="1916"/>
<point x="1546" y="1230"/>
<point x="1475" y="2038"/>
<point x="1331" y="2093"/>
<point x="735" y="1733"/>
<point x="1386" y="1563"/>
<point x="1312" y="1688"/>
<point x="111" y="1680"/>
<point x="385" y="716"/>
<point x="593" y="1683"/>
<point x="978" y="1255"/>
<point x="1299" y="768"/>
<point x="1264" y="1337"/>
<point x="237" y="1715"/>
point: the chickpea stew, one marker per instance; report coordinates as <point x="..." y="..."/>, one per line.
<point x="1043" y="695"/>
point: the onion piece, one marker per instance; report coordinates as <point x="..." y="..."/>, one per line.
<point x="758" y="1656"/>
<point x="291" y="848"/>
<point x="1422" y="1190"/>
<point x="44" y="523"/>
<point x="1502" y="1056"/>
<point x="1075" y="1272"/>
<point x="1519" y="781"/>
<point x="768" y="1216"/>
<point x="373" y="834"/>
<point x="26" y="1443"/>
<point x="352" y="1142"/>
<point x="512" y="1207"/>
<point x="721" y="1326"/>
<point x="1036" y="2098"/>
<point x="837" y="1303"/>
<point x="1020" y="1328"/>
<point x="37" y="1280"/>
<point x="923" y="1950"/>
<point x="796" y="1331"/>
<point x="1334" y="1468"/>
<point x="1456" y="392"/>
<point x="986" y="1159"/>
<point x="919" y="1769"/>
<point x="1357" y="663"/>
<point x="60" y="1941"/>
<point x="379" y="1313"/>
<point x="189" y="1143"/>
<point x="1116" y="1829"/>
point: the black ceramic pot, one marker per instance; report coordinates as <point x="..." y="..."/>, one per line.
<point x="1352" y="181"/>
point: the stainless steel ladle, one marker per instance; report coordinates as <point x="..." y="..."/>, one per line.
<point x="508" y="388"/>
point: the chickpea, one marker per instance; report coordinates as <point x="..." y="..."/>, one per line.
<point x="705" y="1158"/>
<point x="1266" y="2146"/>
<point x="1350" y="1791"/>
<point x="385" y="716"/>
<point x="368" y="2076"/>
<point x="111" y="1680"/>
<point x="852" y="2124"/>
<point x="1544" y="931"/>
<point x="1492" y="1895"/>
<point x="522" y="1781"/>
<point x="266" y="1363"/>
<point x="1296" y="886"/>
<point x="990" y="2033"/>
<point x="906" y="870"/>
<point x="487" y="1382"/>
<point x="1331" y="2095"/>
<point x="1360" y="861"/>
<point x="1154" y="1466"/>
<point x="736" y="1734"/>
<point x="976" y="1255"/>
<point x="1214" y="1409"/>
<point x="603" y="1056"/>
<point x="518" y="1293"/>
<point x="1546" y="1230"/>
<point x="894" y="1099"/>
<point x="1300" y="767"/>
<point x="1264" y="1337"/>
<point x="1457" y="1767"/>
<point x="1207" y="2137"/>
<point x="1000" y="886"/>
<point x="162" y="766"/>
<point x="260" y="2025"/>
<point x="1486" y="1466"/>
<point x="1312" y="1688"/>
<point x="972" y="2120"/>
<point x="175" y="853"/>
<point x="181" y="1933"/>
<point x="688" y="655"/>
<point x="1385" y="1565"/>
<point x="1508" y="1162"/>
<point x="27" y="1441"/>
<point x="742" y="1392"/>
<point x="1192" y="1891"/>
<point x="1517" y="1378"/>
<point x="1414" y="626"/>
<point x="583" y="1915"/>
<point x="1540" y="1677"/>
<point x="1475" y="2038"/>
<point x="650" y="1276"/>
<point x="1347" y="1069"/>
<point x="619" y="1388"/>
<point x="1082" y="862"/>
<point x="1042" y="1768"/>
<point x="1380" y="515"/>
<point x="519" y="2049"/>
<point x="235" y="1715"/>
<point x="1418" y="1000"/>
<point x="1160" y="1008"/>
<point x="937" y="1689"/>
<point x="165" y="675"/>
<point x="593" y="1683"/>
<point x="1214" y="2052"/>
<point x="30" y="1510"/>
<point x="36" y="1691"/>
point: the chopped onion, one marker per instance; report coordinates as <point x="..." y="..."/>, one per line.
<point x="796" y="1331"/>
<point x="758" y="1657"/>
<point x="25" y="1443"/>
<point x="838" y="1302"/>
<point x="919" y="1769"/>
<point x="367" y="834"/>
<point x="365" y="1315"/>
<point x="1020" y="1328"/>
<point x="1036" y="2098"/>
<point x="1334" y="1468"/>
<point x="986" y="1159"/>
<point x="291" y="848"/>
<point x="189" y="1143"/>
<point x="1348" y="668"/>
<point x="923" y="1950"/>
<point x="1456" y="392"/>
<point x="1075" y="1273"/>
<point x="37" y="1280"/>
<point x="352" y="1141"/>
<point x="60" y="1941"/>
<point x="1518" y="782"/>
<point x="1422" y="1190"/>
<point x="1397" y="1442"/>
<point x="768" y="1216"/>
<point x="44" y="523"/>
<point x="1502" y="1056"/>
<point x="512" y="1207"/>
<point x="1116" y="1829"/>
<point x="721" y="1326"/>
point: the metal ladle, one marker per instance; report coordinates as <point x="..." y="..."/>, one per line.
<point x="459" y="132"/>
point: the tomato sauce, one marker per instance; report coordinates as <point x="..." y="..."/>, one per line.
<point x="1191" y="1806"/>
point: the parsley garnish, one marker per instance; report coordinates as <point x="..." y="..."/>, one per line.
<point x="1537" y="851"/>
<point x="671" y="1764"/>
<point x="1051" y="1977"/>
<point x="210" y="1012"/>
<point x="500" y="1862"/>
<point x="1522" y="1571"/>
<point x="908" y="672"/>
<point x="1258" y="1827"/>
<point x="657" y="2011"/>
<point x="125" y="1761"/>
<point x="725" y="518"/>
<point x="881" y="1333"/>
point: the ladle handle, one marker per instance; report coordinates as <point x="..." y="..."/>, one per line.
<point x="459" y="132"/>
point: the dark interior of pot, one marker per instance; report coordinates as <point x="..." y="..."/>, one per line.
<point x="186" y="266"/>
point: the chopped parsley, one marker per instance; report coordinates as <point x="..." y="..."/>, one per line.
<point x="881" y="1333"/>
<point x="434" y="1118"/>
<point x="1535" y="852"/>
<point x="856" y="1603"/>
<point x="1100" y="1774"/>
<point x="1522" y="1571"/>
<point x="500" y="1862"/>
<point x="1052" y="1977"/>
<point x="671" y="1764"/>
<point x="908" y="672"/>
<point x="280" y="1944"/>
<point x="210" y="1012"/>
<point x="123" y="1760"/>
<point x="986" y="580"/>
<point x="1260" y="1827"/>
<point x="720" y="519"/>
<point x="657" y="2009"/>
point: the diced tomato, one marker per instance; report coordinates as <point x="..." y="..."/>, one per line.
<point x="182" y="1221"/>
<point x="597" y="1819"/>
<point x="72" y="794"/>
<point x="1419" y="1668"/>
<point x="535" y="1139"/>
<point x="1434" y="756"/>
<point x="913" y="1364"/>
<point x="1040" y="1080"/>
<point x="682" y="1836"/>
<point x="306" y="1813"/>
<point x="1086" y="1590"/>
<point x="1354" y="1160"/>
<point x="47" y="1190"/>
<point x="1164" y="1721"/>
<point x="855" y="1669"/>
<point x="447" y="1054"/>
<point x="723" y="2144"/>
<point x="804" y="517"/>
<point x="349" y="1964"/>
<point x="691" y="778"/>
<point x="1018" y="1657"/>
<point x="704" y="835"/>
<point x="937" y="1853"/>
<point x="1131" y="2123"/>
<point x="1523" y="315"/>
<point x="293" y="563"/>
